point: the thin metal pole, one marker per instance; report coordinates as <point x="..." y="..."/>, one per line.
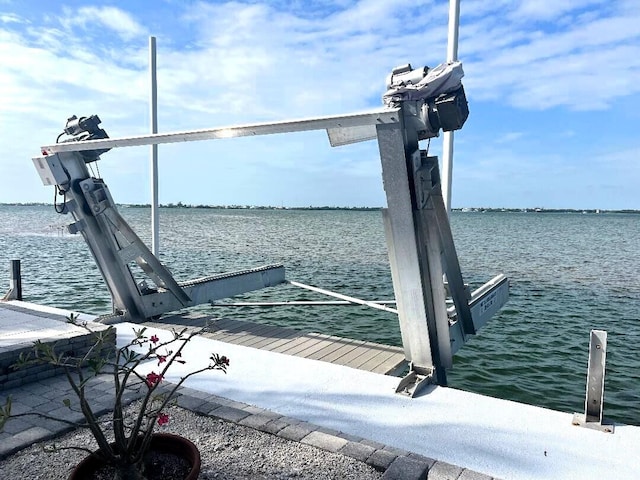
<point x="447" y="147"/>
<point x="454" y="23"/>
<point x="288" y="303"/>
<point x="343" y="297"/>
<point x="155" y="213"/>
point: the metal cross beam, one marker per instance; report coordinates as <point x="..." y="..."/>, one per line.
<point x="335" y="123"/>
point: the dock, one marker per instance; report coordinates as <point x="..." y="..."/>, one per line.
<point x="362" y="355"/>
<point x="458" y="434"/>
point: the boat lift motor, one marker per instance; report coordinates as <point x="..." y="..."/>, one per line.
<point x="418" y="104"/>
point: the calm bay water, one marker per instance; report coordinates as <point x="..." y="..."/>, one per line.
<point x="569" y="273"/>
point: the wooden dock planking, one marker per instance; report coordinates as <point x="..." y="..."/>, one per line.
<point x="297" y="345"/>
<point x="271" y="343"/>
<point x="267" y="338"/>
<point x="343" y="350"/>
<point x="372" y="363"/>
<point x="255" y="335"/>
<point x="357" y="357"/>
<point x="239" y="331"/>
<point x="319" y="345"/>
<point x="391" y="366"/>
<point x="358" y="354"/>
<point x="336" y="344"/>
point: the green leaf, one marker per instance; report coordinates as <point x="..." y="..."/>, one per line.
<point x="139" y="333"/>
<point x="67" y="402"/>
<point x="5" y="413"/>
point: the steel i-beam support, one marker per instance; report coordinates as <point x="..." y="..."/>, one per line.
<point x="413" y="263"/>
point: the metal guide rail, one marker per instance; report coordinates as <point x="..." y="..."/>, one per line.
<point x="419" y="103"/>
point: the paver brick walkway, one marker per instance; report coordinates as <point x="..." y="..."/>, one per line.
<point x="46" y="398"/>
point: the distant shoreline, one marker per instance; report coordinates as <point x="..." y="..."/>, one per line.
<point x="364" y="209"/>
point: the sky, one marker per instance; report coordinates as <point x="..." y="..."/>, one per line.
<point x="553" y="89"/>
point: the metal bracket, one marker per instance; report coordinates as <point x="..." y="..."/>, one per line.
<point x="415" y="382"/>
<point x="76" y="227"/>
<point x="593" y="405"/>
<point x="606" y="426"/>
<point x="51" y="170"/>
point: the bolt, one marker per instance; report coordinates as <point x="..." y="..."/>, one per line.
<point x="96" y="208"/>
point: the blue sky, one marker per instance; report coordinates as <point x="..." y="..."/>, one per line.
<point x="553" y="89"/>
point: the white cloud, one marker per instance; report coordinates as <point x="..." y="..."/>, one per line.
<point x="624" y="162"/>
<point x="550" y="9"/>
<point x="112" y="18"/>
<point x="509" y="137"/>
<point x="258" y="61"/>
<point x="584" y="66"/>
<point x="253" y="61"/>
<point x="37" y="73"/>
<point x="245" y="62"/>
<point x="11" y="18"/>
<point x="307" y="64"/>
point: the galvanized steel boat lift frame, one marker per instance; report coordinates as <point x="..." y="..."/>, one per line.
<point x="418" y="233"/>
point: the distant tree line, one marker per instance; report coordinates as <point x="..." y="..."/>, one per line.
<point x="326" y="207"/>
<point x="248" y="207"/>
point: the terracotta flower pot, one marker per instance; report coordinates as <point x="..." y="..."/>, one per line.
<point x="161" y="443"/>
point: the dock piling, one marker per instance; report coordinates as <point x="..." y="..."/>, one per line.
<point x="15" y="282"/>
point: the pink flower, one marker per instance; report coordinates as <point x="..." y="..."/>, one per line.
<point x="161" y="359"/>
<point x="154" y="339"/>
<point x="153" y="378"/>
<point x="163" y="419"/>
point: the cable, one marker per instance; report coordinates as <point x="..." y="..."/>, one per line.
<point x="55" y="200"/>
<point x="97" y="169"/>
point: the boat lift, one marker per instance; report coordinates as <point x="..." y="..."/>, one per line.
<point x="418" y="104"/>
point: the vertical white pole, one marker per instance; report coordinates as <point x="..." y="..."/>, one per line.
<point x="155" y="213"/>
<point x="447" y="147"/>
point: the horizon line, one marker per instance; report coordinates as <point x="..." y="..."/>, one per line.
<point x="171" y="205"/>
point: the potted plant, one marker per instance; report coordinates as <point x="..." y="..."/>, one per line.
<point x="133" y="434"/>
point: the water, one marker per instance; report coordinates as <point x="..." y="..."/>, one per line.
<point x="569" y="273"/>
